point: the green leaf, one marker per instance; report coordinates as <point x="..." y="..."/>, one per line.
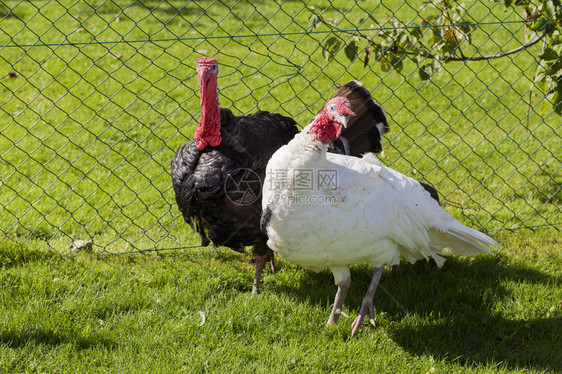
<point x="460" y="35"/>
<point x="556" y="47"/>
<point x="386" y="66"/>
<point x="314" y="20"/>
<point x="429" y="20"/>
<point x="466" y="27"/>
<point x="554" y="69"/>
<point x="406" y="41"/>
<point x="536" y="25"/>
<point x="540" y="78"/>
<point x="426" y="71"/>
<point x="393" y="62"/>
<point x="330" y="47"/>
<point x="445" y="50"/>
<point x="548" y="55"/>
<point x="351" y="49"/>
<point x="416" y="32"/>
<point x="555" y="98"/>
<point x="547" y="8"/>
<point x="544" y="108"/>
<point x="332" y="22"/>
<point x="397" y="63"/>
<point x="377" y="52"/>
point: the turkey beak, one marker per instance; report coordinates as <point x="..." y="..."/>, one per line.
<point x="343" y="120"/>
<point x="344" y="117"/>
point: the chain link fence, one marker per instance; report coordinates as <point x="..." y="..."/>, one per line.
<point x="96" y="97"/>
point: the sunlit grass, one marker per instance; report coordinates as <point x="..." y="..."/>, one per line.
<point x="135" y="313"/>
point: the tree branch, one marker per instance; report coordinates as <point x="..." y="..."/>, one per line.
<point x="462" y="58"/>
<point x="499" y="55"/>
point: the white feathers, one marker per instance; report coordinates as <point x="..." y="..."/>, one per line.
<point x="373" y="214"/>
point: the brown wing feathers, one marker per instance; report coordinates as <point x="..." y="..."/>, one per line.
<point x="364" y="130"/>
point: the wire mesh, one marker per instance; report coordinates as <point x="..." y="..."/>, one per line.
<point x="98" y="95"/>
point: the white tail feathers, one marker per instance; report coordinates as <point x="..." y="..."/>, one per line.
<point x="461" y="240"/>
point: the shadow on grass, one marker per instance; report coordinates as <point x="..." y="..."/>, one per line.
<point x="22" y="339"/>
<point x="454" y="313"/>
<point x="551" y="191"/>
<point x="13" y="254"/>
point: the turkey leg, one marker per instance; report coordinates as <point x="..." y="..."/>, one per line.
<point x="260" y="265"/>
<point x="367" y="304"/>
<point x="343" y="280"/>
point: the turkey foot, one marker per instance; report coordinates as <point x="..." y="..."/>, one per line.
<point x="260" y="264"/>
<point x="367" y="304"/>
<point x="366" y="308"/>
<point x="343" y="287"/>
<point x="271" y="256"/>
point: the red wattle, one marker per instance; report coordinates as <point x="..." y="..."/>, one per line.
<point x="325" y="129"/>
<point x="208" y="130"/>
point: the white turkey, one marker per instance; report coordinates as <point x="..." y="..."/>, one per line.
<point x="352" y="210"/>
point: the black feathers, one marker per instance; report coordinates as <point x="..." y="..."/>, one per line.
<point x="432" y="191"/>
<point x="264" y="221"/>
<point x="219" y="188"/>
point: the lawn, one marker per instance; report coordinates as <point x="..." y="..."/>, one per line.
<point x="95" y="99"/>
<point x="77" y="313"/>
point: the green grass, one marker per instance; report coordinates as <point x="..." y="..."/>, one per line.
<point x="88" y="128"/>
<point x="76" y="313"/>
<point x="94" y="114"/>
